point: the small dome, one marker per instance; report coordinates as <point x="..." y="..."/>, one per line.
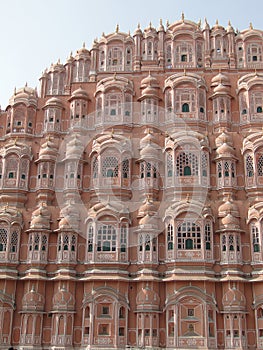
<point x="48" y="151"/>
<point x="220" y="78"/>
<point x="63" y="300"/>
<point x="83" y="52"/>
<point x="147" y="208"/>
<point x="234" y="300"/>
<point x="225" y="150"/>
<point x="221" y="89"/>
<point x="40" y="218"/>
<point x="150" y="29"/>
<point x="33" y="301"/>
<point x="56" y="67"/>
<point x="149" y="81"/>
<point x="25" y="95"/>
<point x="229" y="28"/>
<point x="223" y="138"/>
<point x="228" y="207"/>
<point x="138" y="30"/>
<point x="149" y="222"/>
<point x="230" y="222"/>
<point x="150" y="151"/>
<point x="148" y="299"/>
<point x="149" y="92"/>
<point x="79" y="94"/>
<point x="69" y="217"/>
<point x="148" y="138"/>
<point x="75" y="148"/>
<point x="54" y="102"/>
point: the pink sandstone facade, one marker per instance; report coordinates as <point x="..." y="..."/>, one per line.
<point x="131" y="195"/>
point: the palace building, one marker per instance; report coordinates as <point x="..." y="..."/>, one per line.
<point x="131" y="195"/>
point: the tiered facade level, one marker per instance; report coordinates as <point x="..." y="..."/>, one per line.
<point x="131" y="195"/>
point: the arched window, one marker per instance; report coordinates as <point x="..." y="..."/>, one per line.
<point x="249" y="166"/>
<point x="188" y="236"/>
<point x="168" y="56"/>
<point x="123" y="238"/>
<point x="110" y="167"/>
<point x="113" y="104"/>
<point x="259" y="109"/>
<point x="95" y="168"/>
<point x="106" y="238"/>
<point x="186" y="164"/>
<point x="169" y="165"/>
<point x="125" y="168"/>
<point x="204" y="164"/>
<point x="67" y="246"/>
<point x="3" y="240"/>
<point x="185" y="108"/>
<point x="115" y="59"/>
<point x="208" y="236"/>
<point x="255" y="238"/>
<point x="260" y="166"/>
<point x="90" y="238"/>
<point x="170" y="237"/>
<point x="219" y="169"/>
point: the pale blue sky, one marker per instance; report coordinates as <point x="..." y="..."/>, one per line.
<point x="35" y="33"/>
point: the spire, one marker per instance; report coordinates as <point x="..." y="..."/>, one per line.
<point x="182" y="16"/>
<point x="251" y="26"/>
<point x="84" y="45"/>
<point x="117" y="29"/>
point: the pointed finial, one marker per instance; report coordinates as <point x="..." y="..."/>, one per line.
<point x="229" y="23"/>
<point x="103" y="34"/>
<point x="182" y="16"/>
<point x="117" y="28"/>
<point x="216" y="22"/>
<point x="139" y="26"/>
<point x="59" y="61"/>
<point x="15" y="91"/>
<point x="26" y="84"/>
<point x="150" y="25"/>
<point x="167" y="23"/>
<point x="161" y="22"/>
<point x="84" y="45"/>
<point x="129" y="33"/>
<point x="251" y="26"/>
<point x="199" y="23"/>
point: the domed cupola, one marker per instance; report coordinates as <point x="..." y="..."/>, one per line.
<point x="228" y="212"/>
<point x="48" y="151"/>
<point x="41" y="218"/>
<point x="74" y="148"/>
<point x="234" y="301"/>
<point x="148" y="207"/>
<point x="149" y="150"/>
<point x="21" y="111"/>
<point x="79" y="94"/>
<point x="150" y="87"/>
<point x="228" y="207"/>
<point x="63" y="300"/>
<point x="33" y="301"/>
<point x="25" y="95"/>
<point x="147" y="299"/>
<point x="82" y="53"/>
<point x="69" y="217"/>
